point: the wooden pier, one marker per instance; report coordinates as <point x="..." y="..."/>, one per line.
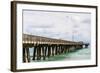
<point x="44" y="47"/>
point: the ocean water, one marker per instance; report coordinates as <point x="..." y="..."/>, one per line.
<point x="81" y="54"/>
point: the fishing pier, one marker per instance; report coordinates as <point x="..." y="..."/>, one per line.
<point x="44" y="47"/>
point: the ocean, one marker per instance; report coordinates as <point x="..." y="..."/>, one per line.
<point x="81" y="54"/>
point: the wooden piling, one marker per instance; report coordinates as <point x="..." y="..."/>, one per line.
<point x="24" y="60"/>
<point x="49" y="50"/>
<point x="52" y="50"/>
<point x="40" y="52"/>
<point x="37" y="53"/>
<point x="45" y="52"/>
<point x="56" y="50"/>
<point x="34" y="52"/>
<point x="26" y="55"/>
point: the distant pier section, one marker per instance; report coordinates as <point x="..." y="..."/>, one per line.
<point x="44" y="47"/>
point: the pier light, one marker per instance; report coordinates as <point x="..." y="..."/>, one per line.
<point x="25" y="41"/>
<point x="64" y="43"/>
<point x="52" y="42"/>
<point x="68" y="42"/>
<point x="32" y="42"/>
<point x="40" y="42"/>
<point x="48" y="42"/>
<point x="28" y="41"/>
<point x="22" y="41"/>
<point x="43" y="42"/>
<point x="57" y="42"/>
<point x="37" y="42"/>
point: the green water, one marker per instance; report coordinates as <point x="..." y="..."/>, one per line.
<point x="82" y="54"/>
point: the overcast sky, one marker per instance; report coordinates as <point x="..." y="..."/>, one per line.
<point x="59" y="25"/>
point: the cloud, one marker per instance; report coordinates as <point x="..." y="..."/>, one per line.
<point x="58" y="25"/>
